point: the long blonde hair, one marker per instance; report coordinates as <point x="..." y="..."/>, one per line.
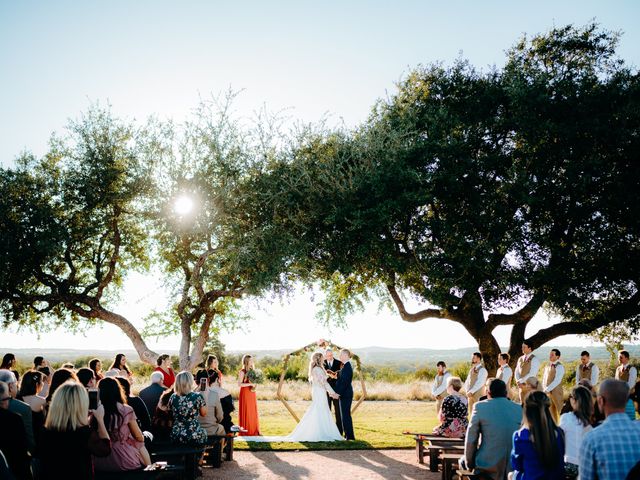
<point x="316" y="361"/>
<point x="245" y="362"/>
<point x="69" y="408"/>
<point x="184" y="383"/>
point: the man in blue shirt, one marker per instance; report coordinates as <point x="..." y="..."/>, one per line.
<point x="611" y="450"/>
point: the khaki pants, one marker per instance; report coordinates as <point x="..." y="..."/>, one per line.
<point x="556" y="396"/>
<point x="473" y="399"/>
<point x="439" y="400"/>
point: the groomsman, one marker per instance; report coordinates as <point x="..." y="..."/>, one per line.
<point x="587" y="370"/>
<point x="474" y="386"/>
<point x="527" y="367"/>
<point x="333" y="365"/>
<point x="552" y="383"/>
<point x="439" y="387"/>
<point x="625" y="371"/>
<point x="504" y="371"/>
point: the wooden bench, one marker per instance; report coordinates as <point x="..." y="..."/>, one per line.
<point x="436" y="444"/>
<point x="216" y="446"/>
<point x="170" y="471"/>
<point x="449" y="464"/>
<point x="187" y="456"/>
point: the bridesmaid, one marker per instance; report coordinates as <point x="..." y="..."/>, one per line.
<point x="164" y="367"/>
<point x="248" y="414"/>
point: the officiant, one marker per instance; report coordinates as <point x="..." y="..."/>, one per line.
<point x="333" y="366"/>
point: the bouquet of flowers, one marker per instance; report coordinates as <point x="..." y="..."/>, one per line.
<point x="255" y="376"/>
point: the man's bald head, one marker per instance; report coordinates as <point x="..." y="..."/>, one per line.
<point x="615" y="394"/>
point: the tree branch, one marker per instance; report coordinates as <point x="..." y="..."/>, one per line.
<point x="415" y="317"/>
<point x="523" y="315"/>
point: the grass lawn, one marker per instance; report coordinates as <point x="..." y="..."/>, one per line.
<point x="377" y="425"/>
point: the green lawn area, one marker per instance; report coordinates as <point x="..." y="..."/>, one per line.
<point x="377" y="425"/>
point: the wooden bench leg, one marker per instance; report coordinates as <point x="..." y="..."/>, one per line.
<point x="434" y="452"/>
<point x="420" y="450"/>
<point x="230" y="449"/>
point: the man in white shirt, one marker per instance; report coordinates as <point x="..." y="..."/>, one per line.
<point x="526" y="367"/>
<point x="625" y="372"/>
<point x="587" y="370"/>
<point x="439" y="387"/>
<point x="474" y="385"/>
<point x="504" y="371"/>
<point x="552" y="383"/>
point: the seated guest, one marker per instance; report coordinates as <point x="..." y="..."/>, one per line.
<point x="139" y="408"/>
<point x="162" y="421"/>
<point x="9" y="363"/>
<point x="538" y="447"/>
<point x="226" y="400"/>
<point x="211" y="422"/>
<point x="13" y="441"/>
<point x="59" y="377"/>
<point x="150" y="394"/>
<point x="120" y="364"/>
<point x="19" y="407"/>
<point x="46" y="380"/>
<point x="87" y="377"/>
<point x="186" y="405"/>
<point x="575" y="426"/>
<point x="488" y="440"/>
<point x="532" y="384"/>
<point x="612" y="449"/>
<point x="164" y="367"/>
<point x="70" y="441"/>
<point x="486" y="388"/>
<point x="127" y="442"/>
<point x="30" y="388"/>
<point x="453" y="414"/>
<point x="69" y="366"/>
<point x="96" y="365"/>
<point x="39" y="361"/>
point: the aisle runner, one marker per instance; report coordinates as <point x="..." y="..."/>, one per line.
<point x="275" y="440"/>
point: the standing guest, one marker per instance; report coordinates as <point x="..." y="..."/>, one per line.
<point x="526" y="367"/>
<point x="575" y="426"/>
<point x="474" y="386"/>
<point x="611" y="450"/>
<point x="19" y="407"/>
<point x="8" y="363"/>
<point x="87" y="377"/>
<point x="164" y="367"/>
<point x="120" y="364"/>
<point x="13" y="440"/>
<point x="454" y="411"/>
<point x="127" y="442"/>
<point x="439" y="387"/>
<point x="139" y="408"/>
<point x="226" y="401"/>
<point x="552" y="383"/>
<point x="46" y="373"/>
<point x="332" y="366"/>
<point x="212" y="421"/>
<point x="488" y="440"/>
<point x="71" y="443"/>
<point x="538" y="447"/>
<point x="150" y="394"/>
<point x="59" y="377"/>
<point x="587" y="370"/>
<point x="186" y="405"/>
<point x="96" y="365"/>
<point x="30" y="388"/>
<point x="248" y="414"/>
<point x="162" y="420"/>
<point x="504" y="371"/>
<point x="213" y="366"/>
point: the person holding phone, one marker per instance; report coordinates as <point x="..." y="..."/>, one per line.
<point x="212" y="421"/>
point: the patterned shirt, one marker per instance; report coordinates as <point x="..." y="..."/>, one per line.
<point x="611" y="450"/>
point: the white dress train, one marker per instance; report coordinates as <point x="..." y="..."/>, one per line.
<point x="317" y="424"/>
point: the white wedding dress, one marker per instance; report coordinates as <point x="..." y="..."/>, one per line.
<point x="317" y="424"/>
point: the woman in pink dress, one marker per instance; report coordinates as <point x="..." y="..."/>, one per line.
<point x="127" y="442"/>
<point x="248" y="410"/>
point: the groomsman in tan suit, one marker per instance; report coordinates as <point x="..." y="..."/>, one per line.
<point x="439" y="387"/>
<point x="527" y="366"/>
<point x="587" y="370"/>
<point x="625" y="371"/>
<point x="474" y="386"/>
<point x="504" y="371"/>
<point x="552" y="383"/>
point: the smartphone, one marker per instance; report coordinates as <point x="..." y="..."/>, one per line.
<point x="93" y="399"/>
<point x="203" y="384"/>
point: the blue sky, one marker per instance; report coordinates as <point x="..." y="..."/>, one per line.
<point x="314" y="58"/>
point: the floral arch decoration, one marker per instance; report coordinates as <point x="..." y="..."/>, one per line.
<point x="320" y="344"/>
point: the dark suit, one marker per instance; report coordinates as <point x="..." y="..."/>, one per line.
<point x="13" y="444"/>
<point x="151" y="396"/>
<point x="334" y="367"/>
<point x="345" y="390"/>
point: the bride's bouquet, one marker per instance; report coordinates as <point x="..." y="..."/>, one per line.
<point x="255" y="376"/>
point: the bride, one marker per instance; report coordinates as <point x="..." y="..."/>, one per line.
<point x="317" y="424"/>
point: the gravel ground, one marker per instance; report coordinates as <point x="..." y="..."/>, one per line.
<point x="324" y="464"/>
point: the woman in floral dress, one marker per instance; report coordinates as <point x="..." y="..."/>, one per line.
<point x="186" y="405"/>
<point x="453" y="414"/>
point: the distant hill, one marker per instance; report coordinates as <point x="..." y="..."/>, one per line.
<point x="379" y="356"/>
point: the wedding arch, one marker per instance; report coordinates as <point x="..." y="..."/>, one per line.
<point x="320" y="344"/>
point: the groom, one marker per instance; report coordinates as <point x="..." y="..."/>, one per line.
<point x="345" y="390"/>
<point x="333" y="365"/>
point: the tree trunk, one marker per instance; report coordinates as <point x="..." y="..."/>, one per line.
<point x="145" y="353"/>
<point x="490" y="350"/>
